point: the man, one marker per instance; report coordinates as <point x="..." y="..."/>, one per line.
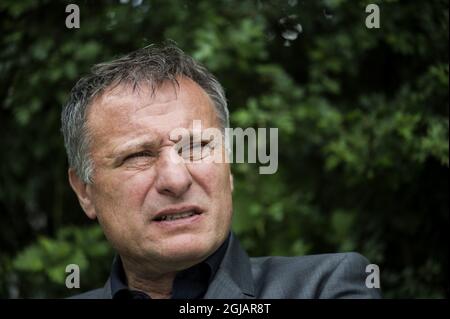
<point x="169" y="220"/>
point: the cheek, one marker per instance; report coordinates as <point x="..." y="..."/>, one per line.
<point x="123" y="194"/>
<point x="119" y="206"/>
<point x="213" y="178"/>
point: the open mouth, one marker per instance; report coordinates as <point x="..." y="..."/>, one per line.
<point x="171" y="215"/>
<point x="176" y="216"/>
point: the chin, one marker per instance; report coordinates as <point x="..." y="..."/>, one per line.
<point x="187" y="249"/>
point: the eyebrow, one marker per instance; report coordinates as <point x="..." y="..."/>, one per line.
<point x="146" y="143"/>
<point x="193" y="135"/>
<point x="134" y="145"/>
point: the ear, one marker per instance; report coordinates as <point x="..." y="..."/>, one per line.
<point x="84" y="193"/>
<point x="231" y="182"/>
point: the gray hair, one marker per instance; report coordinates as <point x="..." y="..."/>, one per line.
<point x="152" y="65"/>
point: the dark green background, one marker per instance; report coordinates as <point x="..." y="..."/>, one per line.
<point x="362" y="117"/>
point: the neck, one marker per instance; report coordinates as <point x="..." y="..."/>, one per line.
<point x="155" y="284"/>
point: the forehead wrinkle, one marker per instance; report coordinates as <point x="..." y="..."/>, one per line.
<point x="130" y="102"/>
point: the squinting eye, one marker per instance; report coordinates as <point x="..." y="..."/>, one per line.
<point x="194" y="151"/>
<point x="139" y="154"/>
<point x="198" y="145"/>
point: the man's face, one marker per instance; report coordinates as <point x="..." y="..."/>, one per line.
<point x="136" y="179"/>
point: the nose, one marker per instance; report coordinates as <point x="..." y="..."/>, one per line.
<point x="173" y="178"/>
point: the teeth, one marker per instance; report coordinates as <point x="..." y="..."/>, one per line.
<point x="177" y="216"/>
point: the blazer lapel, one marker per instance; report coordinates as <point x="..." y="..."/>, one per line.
<point x="233" y="279"/>
<point x="106" y="292"/>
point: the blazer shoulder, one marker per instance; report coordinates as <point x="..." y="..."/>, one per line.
<point x="339" y="275"/>
<point x="319" y="262"/>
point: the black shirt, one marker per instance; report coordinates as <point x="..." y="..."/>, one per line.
<point x="190" y="283"/>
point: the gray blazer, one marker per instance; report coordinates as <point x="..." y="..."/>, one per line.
<point x="316" y="276"/>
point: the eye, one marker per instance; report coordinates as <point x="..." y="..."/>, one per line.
<point x="138" y="155"/>
<point x="199" y="145"/>
<point x="195" y="151"/>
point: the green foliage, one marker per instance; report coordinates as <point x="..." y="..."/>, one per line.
<point x="45" y="261"/>
<point x="362" y="117"/>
